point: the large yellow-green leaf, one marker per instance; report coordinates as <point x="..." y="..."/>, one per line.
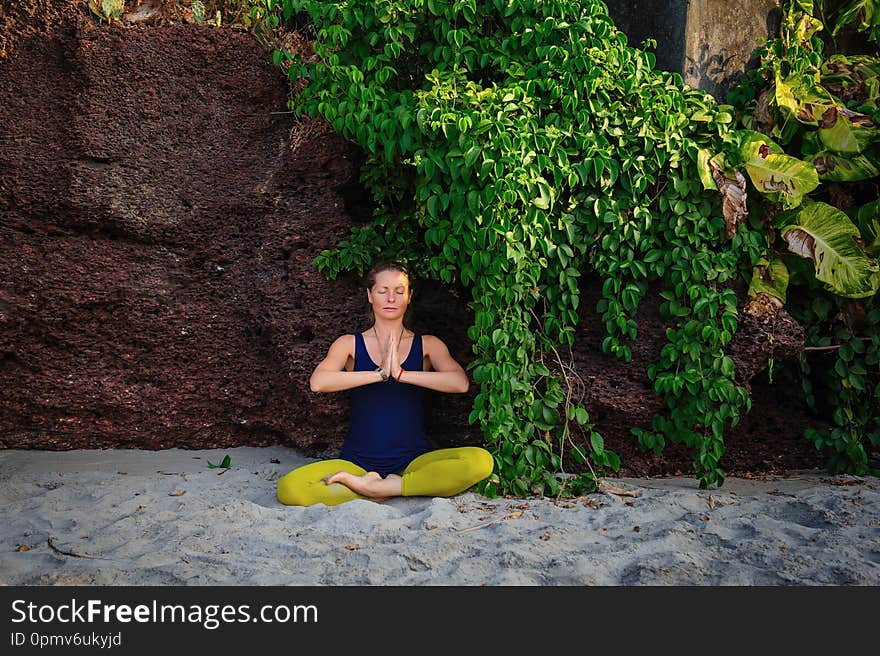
<point x="775" y="174"/>
<point x="804" y="99"/>
<point x="770" y="277"/>
<point x="846" y="131"/>
<point x="865" y="12"/>
<point x="838" y="167"/>
<point x="107" y="8"/>
<point x="852" y="76"/>
<point x="807" y="26"/>
<point x="703" y="157"/>
<point x="827" y="236"/>
<point x="867" y="218"/>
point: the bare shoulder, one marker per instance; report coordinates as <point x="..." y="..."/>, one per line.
<point x="437" y="355"/>
<point x="432" y="343"/>
<point x="341" y="349"/>
<point x="346" y="341"/>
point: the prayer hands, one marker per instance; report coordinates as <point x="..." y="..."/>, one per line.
<point x="391" y="358"/>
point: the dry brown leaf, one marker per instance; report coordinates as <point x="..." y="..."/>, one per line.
<point x="23" y="547"/>
<point x="733" y="192"/>
<point x="544" y="536"/>
<point x="177" y="493"/>
<point x="352" y="547"/>
<point x="711" y="501"/>
<point x="637" y="528"/>
<point x="629" y="503"/>
<point x="704" y="517"/>
<point x="514" y="515"/>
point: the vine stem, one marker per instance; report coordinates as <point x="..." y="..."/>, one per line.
<point x="564" y="369"/>
<point x="833" y="346"/>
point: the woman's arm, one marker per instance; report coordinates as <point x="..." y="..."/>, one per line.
<point x="331" y="376"/>
<point x="447" y="374"/>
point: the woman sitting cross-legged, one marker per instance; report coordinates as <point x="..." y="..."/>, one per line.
<point x="386" y="452"/>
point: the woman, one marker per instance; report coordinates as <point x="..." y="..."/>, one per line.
<point x="386" y="452"/>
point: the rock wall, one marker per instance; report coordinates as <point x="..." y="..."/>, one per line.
<point x="710" y="42"/>
<point x="160" y="210"/>
<point x="157" y="236"/>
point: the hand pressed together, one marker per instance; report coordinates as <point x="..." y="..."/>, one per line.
<point x="390" y="356"/>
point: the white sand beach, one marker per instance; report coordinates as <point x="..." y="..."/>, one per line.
<point x="128" y="517"/>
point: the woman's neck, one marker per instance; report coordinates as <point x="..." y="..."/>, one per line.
<point x="385" y="328"/>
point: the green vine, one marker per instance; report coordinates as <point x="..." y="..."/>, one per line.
<point x="511" y="147"/>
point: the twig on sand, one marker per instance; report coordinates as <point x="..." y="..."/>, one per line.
<point x="71" y="553"/>
<point x="513" y="515"/>
<point x="609" y="488"/>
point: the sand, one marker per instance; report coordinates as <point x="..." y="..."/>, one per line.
<point x="128" y="517"/>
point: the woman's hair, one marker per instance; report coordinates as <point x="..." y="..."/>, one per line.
<point x="386" y="265"/>
<point x="370" y="280"/>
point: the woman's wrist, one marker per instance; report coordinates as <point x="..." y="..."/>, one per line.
<point x="399" y="374"/>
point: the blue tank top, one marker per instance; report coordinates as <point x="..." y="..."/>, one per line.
<point x="387" y="425"/>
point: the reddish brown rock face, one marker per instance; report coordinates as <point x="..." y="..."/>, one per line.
<point x="157" y="233"/>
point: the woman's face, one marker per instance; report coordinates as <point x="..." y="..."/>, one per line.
<point x="390" y="295"/>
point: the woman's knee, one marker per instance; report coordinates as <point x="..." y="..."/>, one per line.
<point x="480" y="463"/>
<point x="289" y="493"/>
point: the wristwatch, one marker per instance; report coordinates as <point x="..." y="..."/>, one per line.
<point x="382" y="374"/>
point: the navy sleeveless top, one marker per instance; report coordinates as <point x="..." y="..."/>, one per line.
<point x="387" y="426"/>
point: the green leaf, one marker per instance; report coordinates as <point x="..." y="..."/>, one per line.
<point x="827" y="236"/>
<point x="224" y="464"/>
<point x="471" y="155"/>
<point x="597" y="442"/>
<point x="546" y="198"/>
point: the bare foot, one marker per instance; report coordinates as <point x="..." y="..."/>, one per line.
<point x="370" y="485"/>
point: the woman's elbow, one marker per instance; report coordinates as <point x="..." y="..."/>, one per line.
<point x="463" y="385"/>
<point x="315" y="385"/>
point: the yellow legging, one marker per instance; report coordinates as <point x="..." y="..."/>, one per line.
<point x="439" y="473"/>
